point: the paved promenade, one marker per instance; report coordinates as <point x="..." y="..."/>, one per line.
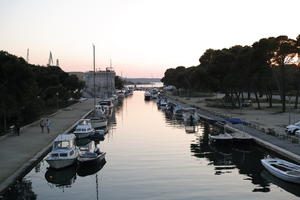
<point x="18" y="151"/>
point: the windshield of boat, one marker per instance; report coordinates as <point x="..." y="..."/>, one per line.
<point x="62" y="144"/>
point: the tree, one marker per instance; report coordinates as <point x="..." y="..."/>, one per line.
<point x="119" y="83"/>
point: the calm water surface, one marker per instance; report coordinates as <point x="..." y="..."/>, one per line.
<point x="150" y="156"/>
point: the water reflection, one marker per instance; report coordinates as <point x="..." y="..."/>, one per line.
<point x="289" y="187"/>
<point x="151" y="156"/>
<point x="227" y="158"/>
<point x="61" y="178"/>
<point x="87" y="170"/>
<point x="22" y="189"/>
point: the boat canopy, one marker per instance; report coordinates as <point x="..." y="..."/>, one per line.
<point x="65" y="137"/>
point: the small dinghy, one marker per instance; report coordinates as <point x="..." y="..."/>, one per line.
<point x="282" y="169"/>
<point x="89" y="154"/>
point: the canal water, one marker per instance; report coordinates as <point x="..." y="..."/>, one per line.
<point x="149" y="155"/>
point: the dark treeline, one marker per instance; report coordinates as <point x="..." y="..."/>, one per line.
<point x="119" y="83"/>
<point x="265" y="68"/>
<point x="27" y="91"/>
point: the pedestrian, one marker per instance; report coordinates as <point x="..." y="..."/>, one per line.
<point x="42" y="124"/>
<point x="17" y="128"/>
<point x="48" y="125"/>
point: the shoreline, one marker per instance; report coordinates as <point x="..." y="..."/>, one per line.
<point x="282" y="147"/>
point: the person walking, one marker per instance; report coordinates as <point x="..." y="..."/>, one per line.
<point x="42" y="124"/>
<point x="17" y="128"/>
<point x="48" y="125"/>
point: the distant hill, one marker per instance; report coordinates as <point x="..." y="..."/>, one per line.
<point x="142" y="80"/>
<point x="131" y="80"/>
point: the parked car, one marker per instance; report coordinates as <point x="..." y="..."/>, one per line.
<point x="247" y="103"/>
<point x="291" y="129"/>
<point x="297" y="133"/>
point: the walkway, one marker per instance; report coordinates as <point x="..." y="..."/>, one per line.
<point x="18" y="151"/>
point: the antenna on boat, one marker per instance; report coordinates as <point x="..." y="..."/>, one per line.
<point x="94" y="76"/>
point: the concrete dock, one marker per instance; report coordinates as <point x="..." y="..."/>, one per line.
<point x="282" y="147"/>
<point x="18" y="153"/>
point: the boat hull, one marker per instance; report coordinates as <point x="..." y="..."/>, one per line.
<point x="278" y="174"/>
<point x="88" y="161"/>
<point x="147" y="98"/>
<point x="99" y="123"/>
<point x="61" y="163"/>
<point x="82" y="135"/>
<point x="220" y="140"/>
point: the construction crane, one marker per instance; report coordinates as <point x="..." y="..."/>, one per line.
<point x="27" y="57"/>
<point x="50" y="60"/>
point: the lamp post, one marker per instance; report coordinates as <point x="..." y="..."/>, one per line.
<point x="57" y="100"/>
<point x="290" y="109"/>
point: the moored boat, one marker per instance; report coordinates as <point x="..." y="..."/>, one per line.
<point x="106" y="102"/>
<point x="241" y="137"/>
<point x="221" y="138"/>
<point x="282" y="169"/>
<point x="64" y="152"/>
<point x="98" y="135"/>
<point x="190" y="115"/>
<point x="99" y="122"/>
<point x="147" y="96"/>
<point x="89" y="154"/>
<point x="84" y="129"/>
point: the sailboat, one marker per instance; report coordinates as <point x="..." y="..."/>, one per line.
<point x="98" y="118"/>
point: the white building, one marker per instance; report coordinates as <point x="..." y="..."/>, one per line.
<point x="104" y="83"/>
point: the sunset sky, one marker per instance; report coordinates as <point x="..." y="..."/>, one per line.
<point x="142" y="37"/>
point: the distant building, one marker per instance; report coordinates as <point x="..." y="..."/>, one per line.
<point x="104" y="83"/>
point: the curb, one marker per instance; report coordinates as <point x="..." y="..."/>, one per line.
<point x="25" y="168"/>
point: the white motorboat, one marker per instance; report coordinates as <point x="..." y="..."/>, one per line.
<point x="84" y="129"/>
<point x="99" y="122"/>
<point x="220" y="138"/>
<point x="282" y="169"/>
<point x="64" y="152"/>
<point x="89" y="154"/>
<point x="162" y="103"/>
<point x="107" y="111"/>
<point x="98" y="119"/>
<point x="178" y="112"/>
<point x="107" y="102"/>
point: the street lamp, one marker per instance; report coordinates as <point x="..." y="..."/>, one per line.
<point x="290" y="109"/>
<point x="57" y="100"/>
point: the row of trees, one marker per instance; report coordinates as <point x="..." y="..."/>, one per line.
<point x="269" y="66"/>
<point x="28" y="90"/>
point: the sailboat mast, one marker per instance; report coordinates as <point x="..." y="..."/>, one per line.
<point x="94" y="76"/>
